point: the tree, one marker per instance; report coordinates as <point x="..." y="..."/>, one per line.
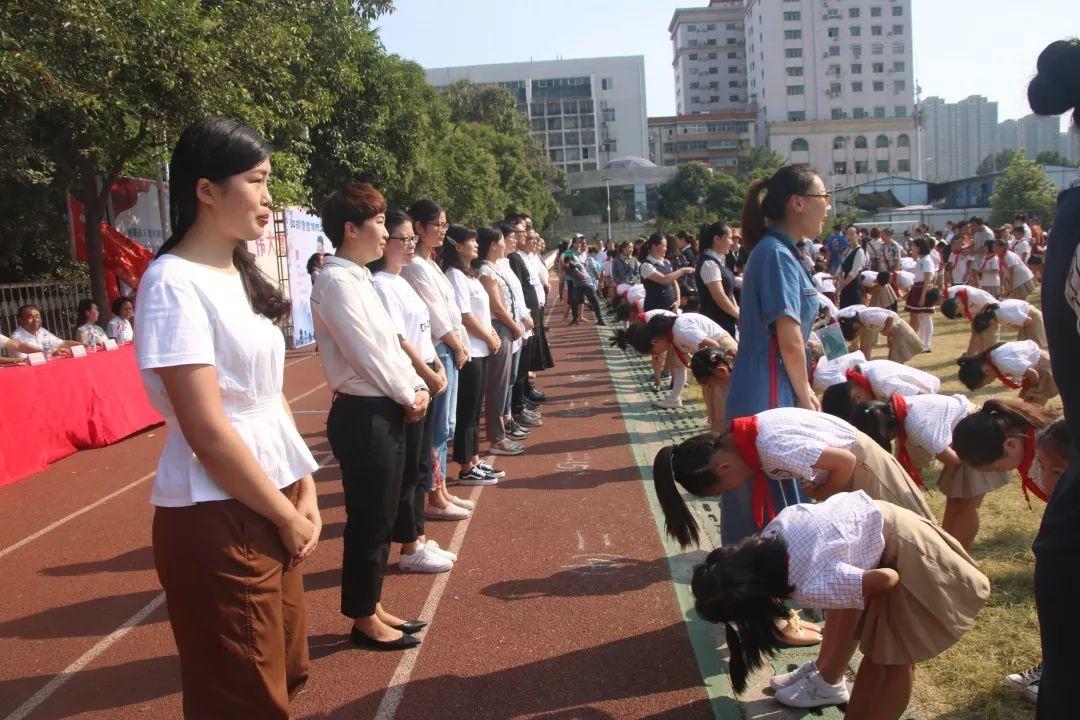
<point x="997" y="162"/>
<point x="759" y="163"/>
<point x="689" y="188"/>
<point x="696" y="196"/>
<point x="725" y="197"/>
<point x="1023" y="187"/>
<point x="1052" y="157"/>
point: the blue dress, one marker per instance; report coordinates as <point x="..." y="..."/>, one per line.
<point x="775" y="285"/>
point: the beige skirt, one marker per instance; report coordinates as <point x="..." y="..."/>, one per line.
<point x="1036" y="331"/>
<point x="987" y="338"/>
<point x="1046" y="388"/>
<point x="904" y="343"/>
<point x="882" y="477"/>
<point x="1021" y="292"/>
<point x="966" y="481"/>
<point x="941" y="592"/>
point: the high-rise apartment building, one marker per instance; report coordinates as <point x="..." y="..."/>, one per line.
<point x="1034" y="135"/>
<point x="586" y="111"/>
<point x="958" y="136"/>
<point x="718" y="139"/>
<point x="709" y="50"/>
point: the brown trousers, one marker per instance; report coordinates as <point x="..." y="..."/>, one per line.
<point x="236" y="610"/>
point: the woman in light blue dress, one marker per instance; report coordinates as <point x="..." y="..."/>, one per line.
<point x="776" y="312"/>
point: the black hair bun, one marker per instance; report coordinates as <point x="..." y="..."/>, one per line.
<point x="1056" y="88"/>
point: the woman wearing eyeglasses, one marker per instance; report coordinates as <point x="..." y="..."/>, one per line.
<point x="776" y="312"/>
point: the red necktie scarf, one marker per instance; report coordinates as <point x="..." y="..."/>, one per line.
<point x="640" y="317"/>
<point x="1005" y="379"/>
<point x="1026" y="481"/>
<point x="859" y="379"/>
<point x="900" y="408"/>
<point x="744" y="432"/>
<point x="675" y="348"/>
<point x="962" y="296"/>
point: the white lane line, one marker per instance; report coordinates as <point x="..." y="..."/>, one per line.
<point x="298" y="360"/>
<point x="396" y="692"/>
<point x="580" y="541"/>
<point x="107" y="498"/>
<point x="101" y="646"/>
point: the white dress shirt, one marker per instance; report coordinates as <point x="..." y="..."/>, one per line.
<point x="790" y="440"/>
<point x="42" y="339"/>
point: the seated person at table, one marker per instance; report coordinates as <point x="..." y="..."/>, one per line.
<point x="119" y="327"/>
<point x="14" y="346"/>
<point x="31" y="333"/>
<point x="89" y="332"/>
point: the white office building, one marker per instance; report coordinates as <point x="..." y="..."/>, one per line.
<point x="587" y="111"/>
<point x="709" y="57"/>
<point x="1034" y="134"/>
<point x="958" y="136"/>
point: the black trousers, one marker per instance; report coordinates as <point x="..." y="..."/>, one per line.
<point x="1057" y="583"/>
<point x="521" y="380"/>
<point x="367" y="435"/>
<point x="409" y="524"/>
<point x="582" y="293"/>
<point x="471" y="378"/>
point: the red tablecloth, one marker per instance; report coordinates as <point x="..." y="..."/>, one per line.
<point x="50" y="411"/>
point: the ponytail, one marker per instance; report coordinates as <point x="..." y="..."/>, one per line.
<point x="847" y="326"/>
<point x="744" y="586"/>
<point x="876" y="420"/>
<point x="636" y="337"/>
<point x="979" y="439"/>
<point x="972" y="371"/>
<point x="981" y="322"/>
<point x="752" y="220"/>
<point x="838" y="402"/>
<point x="678" y="519"/>
<point x="767" y="200"/>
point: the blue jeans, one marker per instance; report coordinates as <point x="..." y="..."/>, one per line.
<point x="514" y="364"/>
<point x="444" y="411"/>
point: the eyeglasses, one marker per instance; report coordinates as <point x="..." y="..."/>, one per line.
<point x="406" y="239"/>
<point x="440" y="225"/>
<point x="825" y="195"/>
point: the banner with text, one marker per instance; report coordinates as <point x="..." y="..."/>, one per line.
<point x="304" y="237"/>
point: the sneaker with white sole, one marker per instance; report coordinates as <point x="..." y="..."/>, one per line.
<point x="1023" y="680"/>
<point x="425" y="560"/>
<point x="506" y="447"/>
<point x="527" y="422"/>
<point x="450" y="512"/>
<point x="476" y="476"/>
<point x="669" y="403"/>
<point x="789" y="678"/>
<point x="812" y="691"/>
<point x="462" y="502"/>
<point x="1031" y="692"/>
<point x="434" y="547"/>
<point x="489" y="469"/>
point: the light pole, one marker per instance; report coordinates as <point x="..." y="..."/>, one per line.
<point x="607" y="185"/>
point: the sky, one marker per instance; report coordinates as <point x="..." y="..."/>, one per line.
<point x="962" y="47"/>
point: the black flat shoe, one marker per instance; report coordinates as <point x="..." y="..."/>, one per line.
<point x="536" y="396"/>
<point x="402" y="643"/>
<point x="411" y="626"/>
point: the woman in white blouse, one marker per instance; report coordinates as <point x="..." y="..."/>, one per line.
<point x="89" y="332"/>
<point x="119" y="327"/>
<point x="236" y="508"/>
<point x="376" y="393"/>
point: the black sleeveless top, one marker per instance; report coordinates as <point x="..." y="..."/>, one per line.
<point x="707" y="305"/>
<point x="658" y="296"/>
<point x="852" y="292"/>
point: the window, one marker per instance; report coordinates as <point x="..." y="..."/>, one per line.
<point x="793" y="34"/>
<point x="835" y="88"/>
<point x="833" y="32"/>
<point x="800" y="145"/>
<point x="554" y="123"/>
<point x="898" y="11"/>
<point x="875" y="30"/>
<point x="732" y="70"/>
<point x="732" y="55"/>
<point x="897" y="29"/>
<point x="692" y="56"/>
<point x="879" y="111"/>
<point x="793" y="53"/>
<point x="607" y="83"/>
<point x="796" y="116"/>
<point x="692" y="28"/>
<point x="862" y="167"/>
<point x="734" y="98"/>
<point x="796" y="71"/>
<point x="796" y="90"/>
<point x="903" y="165"/>
<point x="837" y="114"/>
<point x="714" y="98"/>
<point x="695" y="85"/>
<point x="856" y="86"/>
<point x="733" y="83"/>
<point x="879" y="85"/>
<point x="903" y="141"/>
<point x="858" y="113"/>
<point x="834" y="50"/>
<point x="899" y="85"/>
<point x="555" y="139"/>
<point x="609" y="114"/>
<point x="793" y="16"/>
<point x="711" y="56"/>
<point x="881" y="141"/>
<point x="856" y="51"/>
<point x="855" y="31"/>
<point x="853" y="12"/>
<point x="731" y="41"/>
<point x="882" y="166"/>
<point x="877" y="49"/>
<point x="839" y="143"/>
<point x="710" y="26"/>
<point x="898" y="48"/>
<point x="839" y="168"/>
<point x="832" y="14"/>
<point x="900" y="111"/>
<point x="875" y="12"/>
<point x="611" y="146"/>
<point x="860" y="142"/>
<point x="856" y="68"/>
<point x="691" y="42"/>
<point x="898" y="66"/>
<point x="878" y="68"/>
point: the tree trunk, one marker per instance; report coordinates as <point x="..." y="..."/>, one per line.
<point x="94" y="204"/>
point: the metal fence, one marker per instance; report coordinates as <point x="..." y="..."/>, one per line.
<point x="58" y="301"/>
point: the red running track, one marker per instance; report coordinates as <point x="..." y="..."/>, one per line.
<point x="560" y="607"/>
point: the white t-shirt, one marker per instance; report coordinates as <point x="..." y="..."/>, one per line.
<point x="834" y="312"/>
<point x="1022" y="248"/>
<point x="935" y="258"/>
<point x="636" y="297"/>
<point x="850" y="310"/>
<point x="823" y="282"/>
<point x="534" y="276"/>
<point x="41" y="339"/>
<point x="1017" y="270"/>
<point x="833" y="372"/>
<point x="977" y="298"/>
<point x="1013" y="359"/>
<point x="521" y="309"/>
<point x="472" y="299"/>
<point x="1013" y="312"/>
<point x="190" y="314"/>
<point x="874" y="318"/>
<point x="691" y="328"/>
<point x="924" y="269"/>
<point x="988" y="267"/>
<point x="888" y="378"/>
<point x="931" y="419"/>
<point x="790" y="441"/>
<point x="904" y="279"/>
<point x="869" y="277"/>
<point x="407" y="310"/>
<point x="653" y="313"/>
<point x="119" y="329"/>
<point x="907" y="263"/>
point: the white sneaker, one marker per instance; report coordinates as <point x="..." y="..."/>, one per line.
<point x="424" y="560"/>
<point x="1026" y="682"/>
<point x="669" y="403"/>
<point x="462" y="502"/>
<point x="789" y="678"/>
<point x="434" y="547"/>
<point x="450" y="512"/>
<point x="813" y="691"/>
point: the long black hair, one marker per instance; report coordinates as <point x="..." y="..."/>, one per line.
<point x="709" y="233"/>
<point x="636" y="336"/>
<point x="877" y="420"/>
<point x="979" y="439"/>
<point x="217" y="149"/>
<point x="766" y="200"/>
<point x="847" y="326"/>
<point x="706" y="360"/>
<point x="982" y="320"/>
<point x="1056" y="87"/>
<point x="838" y="401"/>
<point x="688" y="465"/>
<point x="972" y="371"/>
<point x="451" y="259"/>
<point x="951" y="308"/>
<point x="744" y="586"/>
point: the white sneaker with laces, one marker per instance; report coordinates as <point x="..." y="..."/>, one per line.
<point x="434" y="547"/>
<point x="813" y="691"/>
<point x="1023" y="680"/>
<point x="788" y="678"/>
<point x="424" y="560"/>
<point x="669" y="403"/>
<point x="450" y="512"/>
